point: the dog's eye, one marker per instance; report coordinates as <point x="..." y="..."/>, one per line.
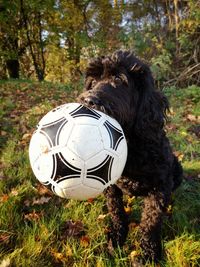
<point x="117" y="80"/>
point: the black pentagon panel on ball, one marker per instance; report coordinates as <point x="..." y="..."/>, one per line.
<point x="64" y="169"/>
<point x="53" y="129"/>
<point x="102" y="172"/>
<point x="116" y="135"/>
<point x="82" y="111"/>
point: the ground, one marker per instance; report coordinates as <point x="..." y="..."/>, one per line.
<point x="40" y="229"/>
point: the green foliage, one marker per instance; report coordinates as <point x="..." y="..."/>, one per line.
<point x="161" y="66"/>
<point x="54" y="39"/>
<point x="8" y="34"/>
<point x="34" y="224"/>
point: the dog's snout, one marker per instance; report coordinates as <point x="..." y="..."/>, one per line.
<point x="92" y="101"/>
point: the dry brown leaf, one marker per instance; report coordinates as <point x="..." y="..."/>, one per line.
<point x="72" y="229"/>
<point x="4" y="198"/>
<point x="193" y="118"/>
<point x="90" y="200"/>
<point x="41" y="200"/>
<point x="33" y="216"/>
<point x="85" y="241"/>
<point x="26" y="136"/>
<point x="179" y="155"/>
<point x="57" y="255"/>
<point x="43" y="190"/>
<point x="4" y="238"/>
<point x="27" y="203"/>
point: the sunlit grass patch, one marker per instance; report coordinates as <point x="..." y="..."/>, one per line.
<point x="184" y="250"/>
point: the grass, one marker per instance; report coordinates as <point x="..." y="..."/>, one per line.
<point x="40" y="229"/>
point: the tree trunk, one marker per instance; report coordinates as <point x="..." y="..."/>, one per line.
<point x="39" y="71"/>
<point x="12" y="66"/>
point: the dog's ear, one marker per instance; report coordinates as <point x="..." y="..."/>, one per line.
<point x="151" y="105"/>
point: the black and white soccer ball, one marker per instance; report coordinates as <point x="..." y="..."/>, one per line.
<point x="77" y="151"/>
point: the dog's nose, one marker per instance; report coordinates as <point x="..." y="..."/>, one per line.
<point x="92" y="101"/>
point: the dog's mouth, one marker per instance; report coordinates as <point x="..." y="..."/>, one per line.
<point x="95" y="103"/>
<point x="107" y="107"/>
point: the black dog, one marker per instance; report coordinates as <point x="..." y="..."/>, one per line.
<point x="122" y="86"/>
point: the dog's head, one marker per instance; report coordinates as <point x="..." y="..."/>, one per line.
<point x="122" y="86"/>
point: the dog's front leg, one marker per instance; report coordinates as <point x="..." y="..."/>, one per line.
<point x="119" y="221"/>
<point x="150" y="226"/>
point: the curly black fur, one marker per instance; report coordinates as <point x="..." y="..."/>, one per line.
<point x="123" y="87"/>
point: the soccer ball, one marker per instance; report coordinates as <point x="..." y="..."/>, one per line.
<point x="77" y="151"/>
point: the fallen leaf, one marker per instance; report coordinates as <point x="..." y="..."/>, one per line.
<point x="179" y="155"/>
<point x="85" y="241"/>
<point x="101" y="217"/>
<point x="195" y="129"/>
<point x="43" y="190"/>
<point x="72" y="229"/>
<point x="4" y="198"/>
<point x="33" y="216"/>
<point x="14" y="192"/>
<point x="90" y="200"/>
<point x="40" y="201"/>
<point x="193" y="118"/>
<point x="44" y="149"/>
<point x="26" y="136"/>
<point x="127" y="209"/>
<point x="27" y="203"/>
<point x="37" y="238"/>
<point x="4" y="238"/>
<point x="57" y="255"/>
<point x="171" y="127"/>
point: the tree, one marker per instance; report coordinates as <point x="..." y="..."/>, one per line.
<point x="69" y="27"/>
<point x="12" y="46"/>
<point x="33" y="15"/>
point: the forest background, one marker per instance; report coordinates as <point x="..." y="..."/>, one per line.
<point x="53" y="39"/>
